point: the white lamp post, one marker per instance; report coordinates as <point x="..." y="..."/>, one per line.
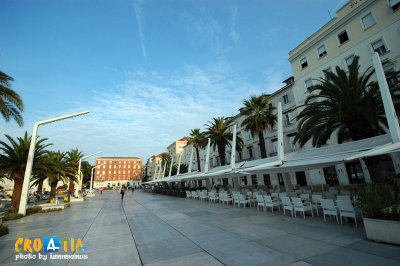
<point x="29" y="163"/>
<point x="91" y="179"/>
<point x="79" y="185"/>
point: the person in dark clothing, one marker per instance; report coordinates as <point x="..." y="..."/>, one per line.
<point x="122" y="193"/>
<point x="133" y="189"/>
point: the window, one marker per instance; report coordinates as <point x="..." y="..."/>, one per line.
<point x="379" y="47"/>
<point x="254" y="180"/>
<point x="286" y="120"/>
<point x="309" y="83"/>
<point x="322" y="51"/>
<point x="343" y="37"/>
<point x="301" y="179"/>
<point x="286" y="98"/>
<point x="250" y="149"/>
<point x="303" y="63"/>
<point x="275" y="145"/>
<point x="368" y="21"/>
<point x="244" y="180"/>
<point x="329" y="69"/>
<point x="391" y="79"/>
<point x="104" y="172"/>
<point x="349" y="60"/>
<point x="267" y="180"/>
<point x="331" y="176"/>
<point x="109" y="172"/>
<point x="394" y="4"/>
<point x="293" y="146"/>
<point x="217" y="161"/>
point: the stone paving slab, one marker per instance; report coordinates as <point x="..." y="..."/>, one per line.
<point x="146" y="229"/>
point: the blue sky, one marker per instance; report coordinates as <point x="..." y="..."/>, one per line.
<point x="149" y="70"/>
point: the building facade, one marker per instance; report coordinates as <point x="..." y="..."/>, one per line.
<point x="118" y="171"/>
<point x="176" y="148"/>
<point x="152" y="166"/>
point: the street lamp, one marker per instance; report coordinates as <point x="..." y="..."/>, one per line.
<point x="79" y="172"/>
<point x="91" y="179"/>
<point x="29" y="163"/>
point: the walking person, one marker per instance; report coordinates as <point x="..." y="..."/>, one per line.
<point x="133" y="189"/>
<point x="122" y="192"/>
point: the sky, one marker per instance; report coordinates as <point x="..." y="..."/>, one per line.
<point x="148" y="71"/>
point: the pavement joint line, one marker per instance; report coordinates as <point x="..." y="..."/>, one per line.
<point x="89" y="227"/>
<point x="182" y="235"/>
<point x="130" y="229"/>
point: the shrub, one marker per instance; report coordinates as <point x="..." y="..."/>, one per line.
<point x="379" y="200"/>
<point x="9" y="215"/>
<point x="34" y="209"/>
<point x="3" y="230"/>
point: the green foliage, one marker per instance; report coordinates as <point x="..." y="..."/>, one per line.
<point x="198" y="140"/>
<point x="379" y="200"/>
<point x="344" y="102"/>
<point x="3" y="230"/>
<point x="259" y="114"/>
<point x="34" y="209"/>
<point x="65" y="186"/>
<point x="10" y="215"/>
<point x="218" y="132"/>
<point x="183" y="169"/>
<point x="11" y="105"/>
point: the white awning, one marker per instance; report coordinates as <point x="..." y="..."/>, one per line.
<point x="384" y="149"/>
<point x="326" y="156"/>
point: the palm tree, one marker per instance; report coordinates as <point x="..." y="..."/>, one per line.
<point x="259" y="114"/>
<point x="198" y="140"/>
<point x="345" y="103"/>
<point x="86" y="169"/>
<point x="11" y="104"/>
<point x="13" y="162"/>
<point x="73" y="157"/>
<point x="165" y="158"/>
<point x="218" y="132"/>
<point x="59" y="169"/>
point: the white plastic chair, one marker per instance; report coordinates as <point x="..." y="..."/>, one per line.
<point x="260" y="202"/>
<point x="243" y="200"/>
<point x="287" y="205"/>
<point x="316" y="202"/>
<point x="299" y="206"/>
<point x="188" y="195"/>
<point x="343" y="197"/>
<point x="328" y="208"/>
<point x="227" y="199"/>
<point x="269" y="202"/>
<point x="346" y="209"/>
<point x="305" y="196"/>
<point x="213" y="197"/>
<point x="235" y="199"/>
<point x="194" y="195"/>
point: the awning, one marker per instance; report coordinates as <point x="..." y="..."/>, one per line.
<point x="325" y="156"/>
<point x="384" y="149"/>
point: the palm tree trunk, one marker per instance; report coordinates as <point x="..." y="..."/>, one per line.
<point x="53" y="189"/>
<point x="262" y="145"/>
<point x="221" y="153"/>
<point x="40" y="187"/>
<point x="198" y="159"/>
<point x="70" y="188"/>
<point x="16" y="196"/>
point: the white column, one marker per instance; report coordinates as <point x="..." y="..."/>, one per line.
<point x="163" y="173"/>
<point x="207" y="156"/>
<point x="280" y="134"/>
<point x="170" y="167"/>
<point x="233" y="151"/>
<point x="179" y="163"/>
<point x="390" y="112"/>
<point x="191" y="159"/>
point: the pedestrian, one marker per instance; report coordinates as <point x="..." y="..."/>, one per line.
<point x="133" y="189"/>
<point x="122" y="193"/>
<point x="101" y="191"/>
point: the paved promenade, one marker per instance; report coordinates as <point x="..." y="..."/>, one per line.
<point x="150" y="229"/>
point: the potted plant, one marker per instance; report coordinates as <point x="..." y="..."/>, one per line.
<point x="379" y="203"/>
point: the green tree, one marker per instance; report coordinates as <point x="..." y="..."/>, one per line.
<point x="11" y="105"/>
<point x="220" y="136"/>
<point x="59" y="169"/>
<point x="259" y="114"/>
<point x="86" y="169"/>
<point x="165" y="158"/>
<point x="183" y="169"/>
<point x="199" y="141"/>
<point x="13" y="162"/>
<point x="73" y="157"/>
<point x="346" y="103"/>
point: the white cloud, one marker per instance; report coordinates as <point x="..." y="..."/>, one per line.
<point x="145" y="114"/>
<point x="137" y="6"/>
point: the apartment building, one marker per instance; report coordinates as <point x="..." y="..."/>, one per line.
<point x="118" y="171"/>
<point x="176" y="148"/>
<point x="152" y="164"/>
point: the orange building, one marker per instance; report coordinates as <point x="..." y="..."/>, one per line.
<point x="118" y="171"/>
